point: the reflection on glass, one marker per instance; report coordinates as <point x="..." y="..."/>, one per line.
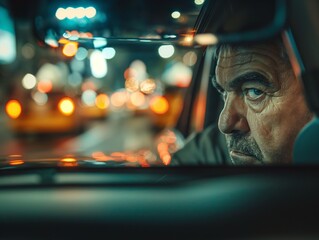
<point x="16" y="162"/>
<point x="68" y="162"/>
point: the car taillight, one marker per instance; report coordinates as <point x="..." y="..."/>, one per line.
<point x="13" y="109"/>
<point x="66" y="106"/>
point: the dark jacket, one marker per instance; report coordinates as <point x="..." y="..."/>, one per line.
<point x="205" y="148"/>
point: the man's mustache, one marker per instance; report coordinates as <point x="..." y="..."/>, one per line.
<point x="244" y="144"/>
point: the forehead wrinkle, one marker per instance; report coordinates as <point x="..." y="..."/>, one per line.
<point x="242" y="62"/>
<point x="242" y="58"/>
<point x="226" y="60"/>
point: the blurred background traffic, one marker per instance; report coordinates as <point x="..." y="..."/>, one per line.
<point x="75" y="83"/>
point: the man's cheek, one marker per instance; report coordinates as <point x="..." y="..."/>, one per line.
<point x="262" y="129"/>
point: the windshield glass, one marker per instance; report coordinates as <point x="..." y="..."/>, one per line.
<point x="149" y="83"/>
<point x="93" y="99"/>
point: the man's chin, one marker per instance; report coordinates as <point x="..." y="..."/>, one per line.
<point x="239" y="158"/>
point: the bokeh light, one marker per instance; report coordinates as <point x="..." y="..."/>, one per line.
<point x="108" y="53"/>
<point x="88" y="97"/>
<point x="118" y="99"/>
<point x="45" y="86"/>
<point x="148" y="86"/>
<point x="77" y="65"/>
<point x="80" y="12"/>
<point x="159" y="105"/>
<point x="75" y="79"/>
<point x="81" y="54"/>
<point x="190" y="58"/>
<point x="90" y="12"/>
<point x="130" y="73"/>
<point x="66" y="106"/>
<point x="29" y="81"/>
<point x="61" y="13"/>
<point x="98" y="64"/>
<point x="13" y="109"/>
<point x="88" y="85"/>
<point x="131" y="84"/>
<point x="99" y="42"/>
<point x="70" y="13"/>
<point x="137" y="99"/>
<point x="176" y="14"/>
<point x="40" y="98"/>
<point x="199" y="2"/>
<point x="102" y="101"/>
<point x="70" y="49"/>
<point x="166" y="51"/>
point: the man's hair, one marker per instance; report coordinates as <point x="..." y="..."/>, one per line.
<point x="277" y="42"/>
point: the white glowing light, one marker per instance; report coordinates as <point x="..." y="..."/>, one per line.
<point x="199" y="2"/>
<point x="90" y="12"/>
<point x="29" y="81"/>
<point x="80" y="12"/>
<point x="61" y="13"/>
<point x="99" y="42"/>
<point x="109" y="53"/>
<point x="166" y="51"/>
<point x="70" y="12"/>
<point x="98" y="64"/>
<point x="206" y="39"/>
<point x="176" y="14"/>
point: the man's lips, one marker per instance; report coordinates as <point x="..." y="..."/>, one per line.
<point x="244" y="158"/>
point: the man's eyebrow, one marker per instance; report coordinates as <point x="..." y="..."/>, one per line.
<point x="252" y="77"/>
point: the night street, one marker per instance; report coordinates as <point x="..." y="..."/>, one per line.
<point x="117" y="133"/>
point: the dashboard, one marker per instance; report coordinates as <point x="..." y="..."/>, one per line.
<point x="160" y="203"/>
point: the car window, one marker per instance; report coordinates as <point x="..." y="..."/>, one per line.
<point x="110" y="101"/>
<point x="140" y="83"/>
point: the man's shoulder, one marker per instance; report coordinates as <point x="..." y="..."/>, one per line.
<point x="204" y="148"/>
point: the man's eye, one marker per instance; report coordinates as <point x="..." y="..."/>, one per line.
<point x="253" y="93"/>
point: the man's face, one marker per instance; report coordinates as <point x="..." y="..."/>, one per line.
<point x="264" y="107"/>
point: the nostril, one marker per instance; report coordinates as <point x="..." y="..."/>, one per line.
<point x="231" y="121"/>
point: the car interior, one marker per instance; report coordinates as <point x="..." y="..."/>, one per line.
<point x="43" y="201"/>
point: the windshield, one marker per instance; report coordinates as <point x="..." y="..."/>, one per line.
<point x="93" y="98"/>
<point x="151" y="83"/>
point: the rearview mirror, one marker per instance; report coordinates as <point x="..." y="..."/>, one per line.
<point x="124" y="20"/>
<point x="186" y="22"/>
<point x="240" y="21"/>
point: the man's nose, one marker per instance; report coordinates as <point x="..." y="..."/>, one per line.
<point x="233" y="116"/>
